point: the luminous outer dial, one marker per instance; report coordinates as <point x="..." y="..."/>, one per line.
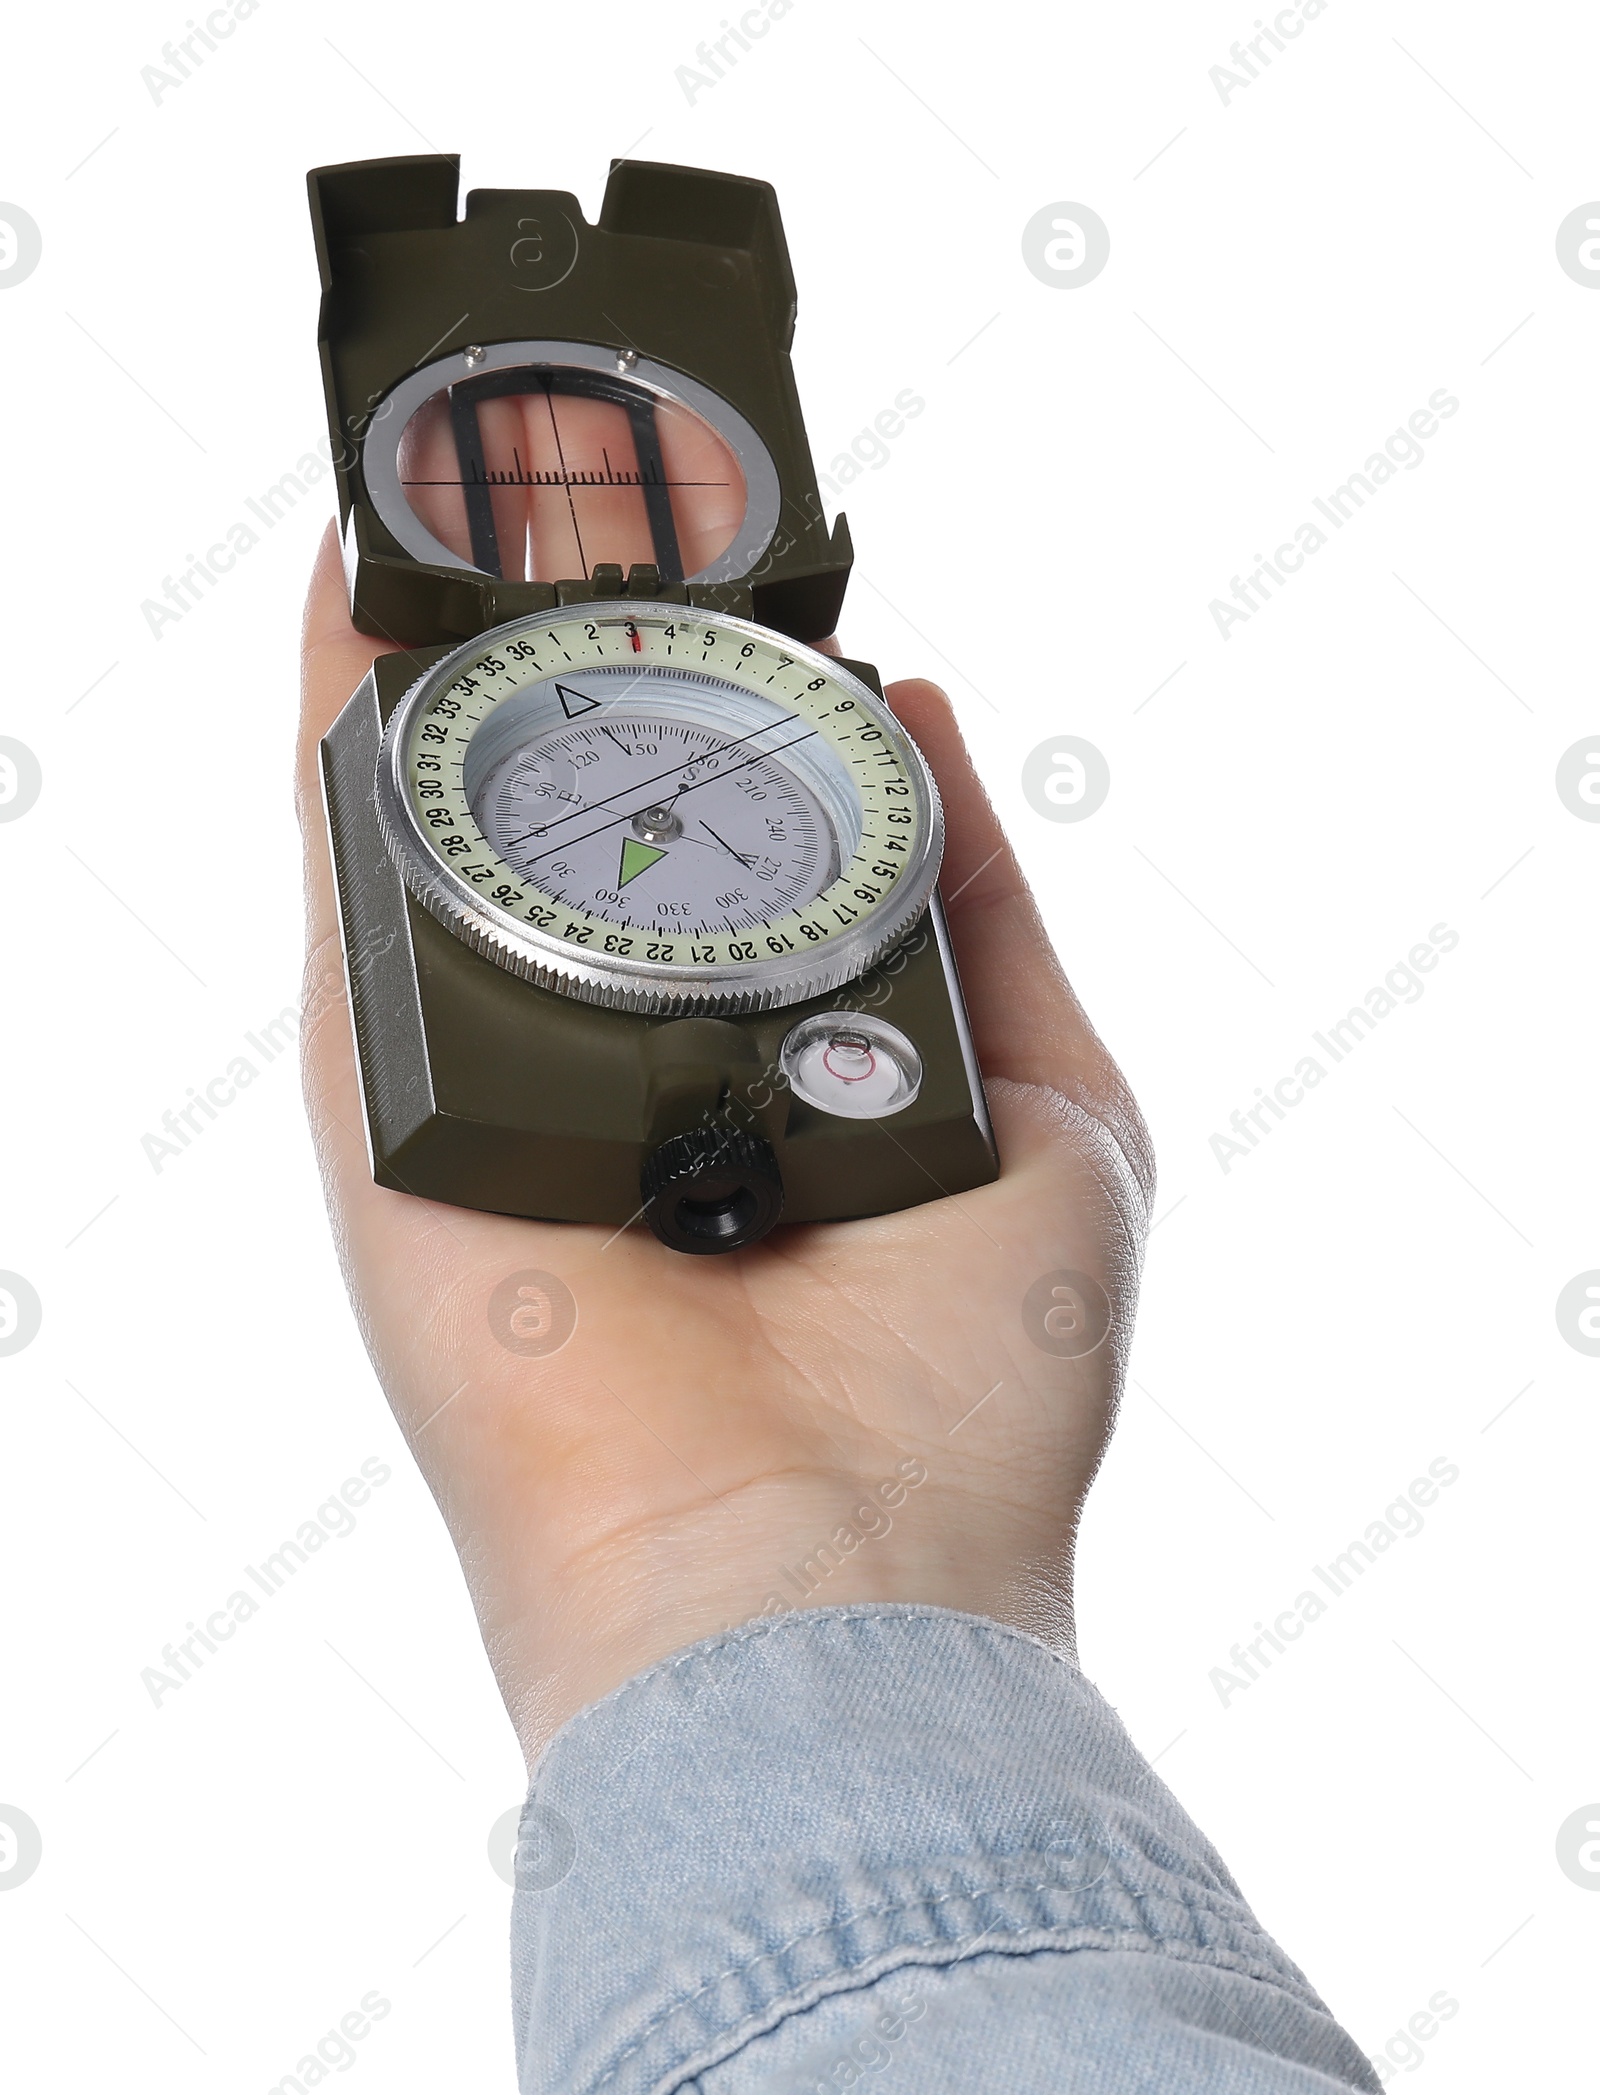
<point x="660" y="809"/>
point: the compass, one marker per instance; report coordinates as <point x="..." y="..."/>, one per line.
<point x="660" y="813"/>
<point x="638" y="886"/>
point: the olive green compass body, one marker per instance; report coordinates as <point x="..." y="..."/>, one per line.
<point x="638" y="889"/>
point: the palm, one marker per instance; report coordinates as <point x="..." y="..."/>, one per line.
<point x="715" y="1430"/>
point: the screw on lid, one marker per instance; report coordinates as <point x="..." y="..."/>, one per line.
<point x="711" y="1190"/>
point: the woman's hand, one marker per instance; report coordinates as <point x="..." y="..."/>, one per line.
<point x="711" y="1441"/>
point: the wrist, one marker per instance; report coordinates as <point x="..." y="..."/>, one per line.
<point x="775" y="1547"/>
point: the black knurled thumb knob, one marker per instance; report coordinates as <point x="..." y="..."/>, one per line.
<point x="711" y="1190"/>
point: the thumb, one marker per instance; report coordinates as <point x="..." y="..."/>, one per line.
<point x="1027" y="1023"/>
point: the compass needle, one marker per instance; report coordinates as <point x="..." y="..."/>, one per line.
<point x="739" y="855"/>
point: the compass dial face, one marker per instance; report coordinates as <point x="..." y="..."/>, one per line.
<point x="660" y="808"/>
<point x="717" y="855"/>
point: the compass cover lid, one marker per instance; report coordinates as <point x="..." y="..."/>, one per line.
<point x="528" y="410"/>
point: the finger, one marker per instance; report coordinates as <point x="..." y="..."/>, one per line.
<point x="709" y="491"/>
<point x="430" y="473"/>
<point x="1027" y="1023"/>
<point x="334" y="658"/>
<point x="582" y="510"/>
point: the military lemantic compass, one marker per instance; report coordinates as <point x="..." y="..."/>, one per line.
<point x="638" y="888"/>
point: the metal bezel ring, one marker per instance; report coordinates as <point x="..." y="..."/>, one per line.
<point x="380" y="446"/>
<point x="627" y="984"/>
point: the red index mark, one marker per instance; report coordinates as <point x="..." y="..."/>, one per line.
<point x="633" y="638"/>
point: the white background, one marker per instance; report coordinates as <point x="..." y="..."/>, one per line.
<point x="1372" y="1287"/>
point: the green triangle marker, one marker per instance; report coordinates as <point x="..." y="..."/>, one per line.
<point x="637" y="858"/>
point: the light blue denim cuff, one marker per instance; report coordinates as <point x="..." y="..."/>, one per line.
<point x="795" y="1810"/>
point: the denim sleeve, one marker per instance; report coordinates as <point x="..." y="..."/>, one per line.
<point x="886" y="1843"/>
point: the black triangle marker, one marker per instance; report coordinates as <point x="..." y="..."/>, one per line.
<point x="575" y="702"/>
